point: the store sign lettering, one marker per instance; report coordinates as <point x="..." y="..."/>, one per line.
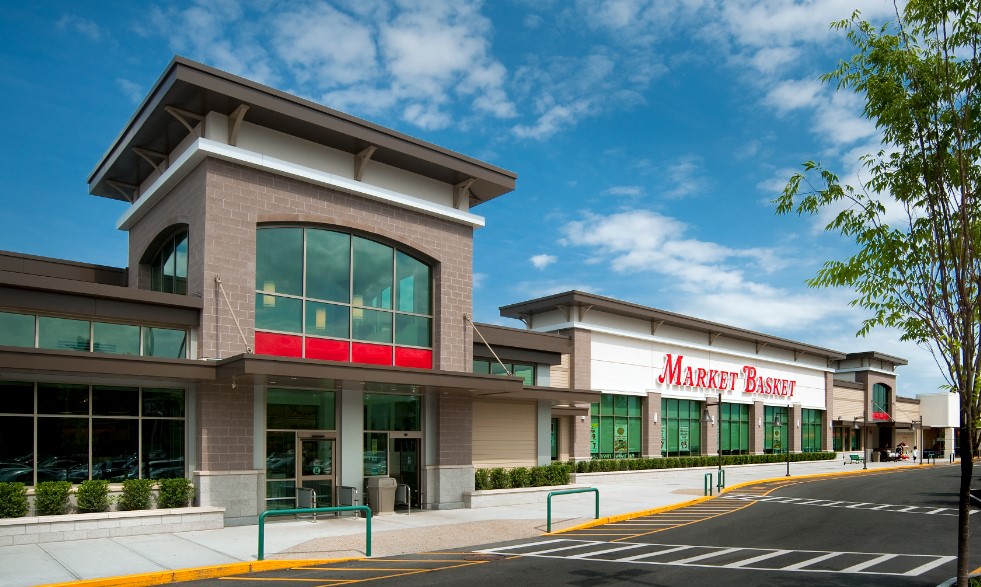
<point x="676" y="373"/>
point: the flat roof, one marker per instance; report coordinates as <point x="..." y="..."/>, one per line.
<point x="580" y="299"/>
<point x="198" y="88"/>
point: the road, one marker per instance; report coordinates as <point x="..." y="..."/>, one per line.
<point x="884" y="528"/>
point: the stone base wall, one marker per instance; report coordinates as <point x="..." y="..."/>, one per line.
<point x="447" y="487"/>
<point x="36" y="530"/>
<point x="237" y="492"/>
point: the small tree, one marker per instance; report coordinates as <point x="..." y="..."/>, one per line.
<point x="917" y="219"/>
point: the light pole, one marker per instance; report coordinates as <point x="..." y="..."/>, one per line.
<point x="777" y="425"/>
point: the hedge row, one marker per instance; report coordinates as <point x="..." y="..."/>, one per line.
<point x="52" y="498"/>
<point x="559" y="473"/>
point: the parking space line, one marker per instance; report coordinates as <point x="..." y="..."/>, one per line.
<point x="607" y="551"/>
<point x="709" y="555"/>
<point x="869" y="563"/>
<point x="650" y="554"/>
<point x="756" y="559"/>
<point x="812" y="561"/>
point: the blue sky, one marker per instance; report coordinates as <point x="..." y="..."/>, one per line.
<point x="648" y="136"/>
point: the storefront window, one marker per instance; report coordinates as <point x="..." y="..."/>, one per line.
<point x="681" y="427"/>
<point x="341" y="297"/>
<point x="735" y="429"/>
<point x="164" y="342"/>
<point x="119" y="339"/>
<point x="375" y="454"/>
<point x="63" y="334"/>
<point x="399" y="413"/>
<point x="90" y="432"/>
<point x="775" y="438"/>
<point x="105" y="337"/>
<point x="810" y="430"/>
<point x="300" y="409"/>
<point x="616" y="427"/>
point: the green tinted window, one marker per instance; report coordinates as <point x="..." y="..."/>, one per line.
<point x="328" y="266"/>
<point x="163" y="403"/>
<point x="413" y="280"/>
<point x="328" y="320"/>
<point x="115" y="401"/>
<point x="372" y="274"/>
<point x="392" y="412"/>
<point x="278" y="313"/>
<point x="300" y="409"/>
<point x="164" y="342"/>
<point x="481" y="366"/>
<point x="413" y="330"/>
<point x="120" y="339"/>
<point x="526" y="372"/>
<point x="372" y="326"/>
<point x="62" y="399"/>
<point x="16" y="329"/>
<point x="63" y="333"/>
<point x="279" y="261"/>
<point x="168" y="269"/>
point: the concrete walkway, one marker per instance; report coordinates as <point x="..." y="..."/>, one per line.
<point x="164" y="558"/>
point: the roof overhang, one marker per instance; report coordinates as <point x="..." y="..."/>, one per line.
<point x="192" y="87"/>
<point x="30" y="362"/>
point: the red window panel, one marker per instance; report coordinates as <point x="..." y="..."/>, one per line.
<point x="371" y="354"/>
<point x="328" y="350"/>
<point x="281" y="345"/>
<point x="416" y="358"/>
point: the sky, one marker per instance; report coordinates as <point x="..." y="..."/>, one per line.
<point x="649" y="136"/>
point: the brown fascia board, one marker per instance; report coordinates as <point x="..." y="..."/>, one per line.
<point x="61" y="268"/>
<point x="847" y="384"/>
<point x="613" y="306"/>
<point x="169" y="308"/>
<point x="519" y="338"/>
<point x="316" y="370"/>
<point x="878" y="357"/>
<point x="514" y="355"/>
<point x="44" y="361"/>
<point x="199" y="88"/>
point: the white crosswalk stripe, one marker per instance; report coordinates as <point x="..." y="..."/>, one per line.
<point x="806" y="561"/>
<point x="855" y="505"/>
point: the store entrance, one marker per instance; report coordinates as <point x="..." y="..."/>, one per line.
<point x="288" y="476"/>
<point x="316" y="469"/>
<point x="405" y="453"/>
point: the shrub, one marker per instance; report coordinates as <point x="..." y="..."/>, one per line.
<point x="500" y="479"/>
<point x="137" y="494"/>
<point x="51" y="497"/>
<point x="481" y="479"/>
<point x="540" y="477"/>
<point x="175" y="493"/>
<point x="13" y="500"/>
<point x="520" y="477"/>
<point x="92" y="496"/>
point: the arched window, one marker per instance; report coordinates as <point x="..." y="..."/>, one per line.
<point x="880" y="402"/>
<point x="324" y="294"/>
<point x="168" y="268"/>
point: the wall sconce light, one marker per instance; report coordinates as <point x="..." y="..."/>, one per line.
<point x="320" y="317"/>
<point x="655" y="417"/>
<point x="798" y="423"/>
<point x="582" y="418"/>
<point x="759" y="422"/>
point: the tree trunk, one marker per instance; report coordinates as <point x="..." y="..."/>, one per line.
<point x="964" y="504"/>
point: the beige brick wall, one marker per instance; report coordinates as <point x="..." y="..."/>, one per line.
<point x="225" y="427"/>
<point x="223" y="202"/>
<point x="455" y="421"/>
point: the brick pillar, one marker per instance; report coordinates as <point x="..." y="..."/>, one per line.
<point x="794" y="437"/>
<point x="580" y="376"/>
<point x="651" y="431"/>
<point x="579" y="435"/>
<point x="455" y="416"/>
<point x="756" y="428"/>
<point x="827" y="442"/>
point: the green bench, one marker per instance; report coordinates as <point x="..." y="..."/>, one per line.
<point x="853" y="458"/>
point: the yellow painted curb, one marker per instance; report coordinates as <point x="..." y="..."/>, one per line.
<point x="668" y="508"/>
<point x="212" y="572"/>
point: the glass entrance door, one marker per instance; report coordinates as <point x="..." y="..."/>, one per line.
<point x="404" y="465"/>
<point x="316" y="468"/>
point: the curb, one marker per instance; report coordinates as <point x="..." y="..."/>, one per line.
<point x="194" y="574"/>
<point x="668" y="508"/>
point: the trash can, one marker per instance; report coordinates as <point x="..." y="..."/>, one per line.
<point x="876" y="456"/>
<point x="381" y="494"/>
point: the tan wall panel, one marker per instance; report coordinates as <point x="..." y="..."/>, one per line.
<point x="504" y="434"/>
<point x="559" y="374"/>
<point x="849" y="404"/>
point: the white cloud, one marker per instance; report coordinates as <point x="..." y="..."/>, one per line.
<point x="553" y="120"/>
<point x="684" y="177"/>
<point x="131" y="90"/>
<point x="625" y="190"/>
<point x="542" y="261"/>
<point x="479" y="279"/>
<point x="792" y="95"/>
<point x="323" y="45"/>
<point x="538" y="289"/>
<point x="79" y="25"/>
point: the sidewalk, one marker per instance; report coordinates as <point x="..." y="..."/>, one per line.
<point x="233" y="549"/>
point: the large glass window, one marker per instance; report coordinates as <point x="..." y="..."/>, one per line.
<point x="492" y="367"/>
<point x="681" y="427"/>
<point x="775" y="437"/>
<point x="329" y="295"/>
<point x="735" y="429"/>
<point x="810" y="430"/>
<point x="90" y="432"/>
<point x="16" y="329"/>
<point x="85" y="336"/>
<point x="880" y="402"/>
<point x="617" y="427"/>
<point x="300" y="409"/>
<point x="168" y="268"/>
<point x="400" y="413"/>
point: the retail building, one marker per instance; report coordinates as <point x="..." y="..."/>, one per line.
<point x="296" y="312"/>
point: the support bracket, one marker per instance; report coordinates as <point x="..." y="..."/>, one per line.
<point x="361" y="161"/>
<point x="235" y="122"/>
